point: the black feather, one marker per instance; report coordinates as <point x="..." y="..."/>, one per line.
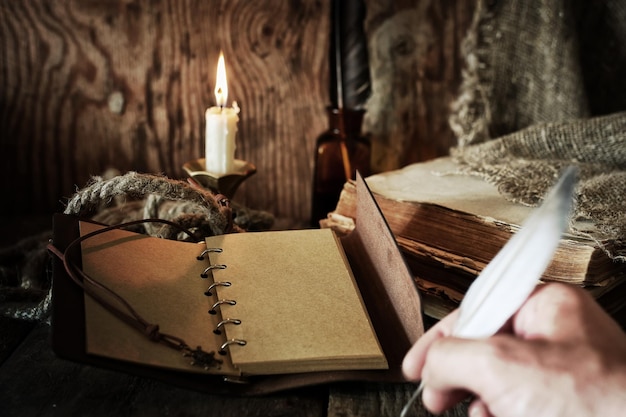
<point x="350" y="85"/>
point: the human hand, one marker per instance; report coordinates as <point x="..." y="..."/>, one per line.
<point x="560" y="355"/>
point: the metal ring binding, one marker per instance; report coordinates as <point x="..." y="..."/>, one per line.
<point x="216" y="284"/>
<point x="219" y="303"/>
<point x="223" y="322"/>
<point x="205" y="274"/>
<point x="227" y="343"/>
<point x="207" y="251"/>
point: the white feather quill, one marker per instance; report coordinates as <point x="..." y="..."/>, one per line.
<point x="508" y="280"/>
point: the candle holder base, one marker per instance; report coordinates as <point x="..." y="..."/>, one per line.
<point x="225" y="184"/>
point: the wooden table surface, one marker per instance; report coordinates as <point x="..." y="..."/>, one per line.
<point x="35" y="382"/>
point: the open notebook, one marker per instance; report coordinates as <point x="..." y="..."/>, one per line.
<point x="286" y="300"/>
<point x="280" y="308"/>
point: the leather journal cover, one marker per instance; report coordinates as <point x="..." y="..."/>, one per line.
<point x="279" y="309"/>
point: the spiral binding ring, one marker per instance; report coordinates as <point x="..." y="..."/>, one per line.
<point x="205" y="274"/>
<point x="227" y="343"/>
<point x="216" y="284"/>
<point x="207" y="251"/>
<point x="223" y="322"/>
<point x="219" y="303"/>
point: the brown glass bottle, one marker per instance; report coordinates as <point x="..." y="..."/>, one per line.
<point x="339" y="153"/>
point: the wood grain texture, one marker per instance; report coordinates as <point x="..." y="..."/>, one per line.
<point x="383" y="400"/>
<point x="35" y="382"/>
<point x="90" y="85"/>
<point x="416" y="65"/>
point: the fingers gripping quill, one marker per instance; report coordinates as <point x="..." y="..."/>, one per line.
<point x="507" y="281"/>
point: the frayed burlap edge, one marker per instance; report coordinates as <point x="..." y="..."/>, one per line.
<point x="470" y="114"/>
<point x="525" y="177"/>
<point x="524" y="166"/>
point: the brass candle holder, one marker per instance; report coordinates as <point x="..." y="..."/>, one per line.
<point x="225" y="184"/>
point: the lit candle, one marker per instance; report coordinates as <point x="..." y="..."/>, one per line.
<point x="221" y="127"/>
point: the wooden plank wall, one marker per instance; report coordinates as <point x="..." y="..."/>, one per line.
<point x="91" y="85"/>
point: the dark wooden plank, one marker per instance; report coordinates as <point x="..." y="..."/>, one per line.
<point x="34" y="382"/>
<point x="87" y="86"/>
<point x="377" y="399"/>
<point x="416" y="63"/>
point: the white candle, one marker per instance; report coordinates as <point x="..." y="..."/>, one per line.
<point x="221" y="127"/>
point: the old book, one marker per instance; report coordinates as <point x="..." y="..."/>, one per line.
<point x="449" y="226"/>
<point x="278" y="308"/>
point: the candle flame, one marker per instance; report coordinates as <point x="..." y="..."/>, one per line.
<point x="221" y="86"/>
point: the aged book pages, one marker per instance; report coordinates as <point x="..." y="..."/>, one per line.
<point x="449" y="226"/>
<point x="467" y="220"/>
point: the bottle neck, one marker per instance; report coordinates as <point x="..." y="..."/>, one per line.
<point x="350" y="121"/>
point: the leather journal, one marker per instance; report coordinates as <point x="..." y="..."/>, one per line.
<point x="242" y="313"/>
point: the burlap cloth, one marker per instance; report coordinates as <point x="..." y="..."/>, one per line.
<point x="545" y="87"/>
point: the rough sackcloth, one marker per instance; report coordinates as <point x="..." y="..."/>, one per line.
<point x="544" y="87"/>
